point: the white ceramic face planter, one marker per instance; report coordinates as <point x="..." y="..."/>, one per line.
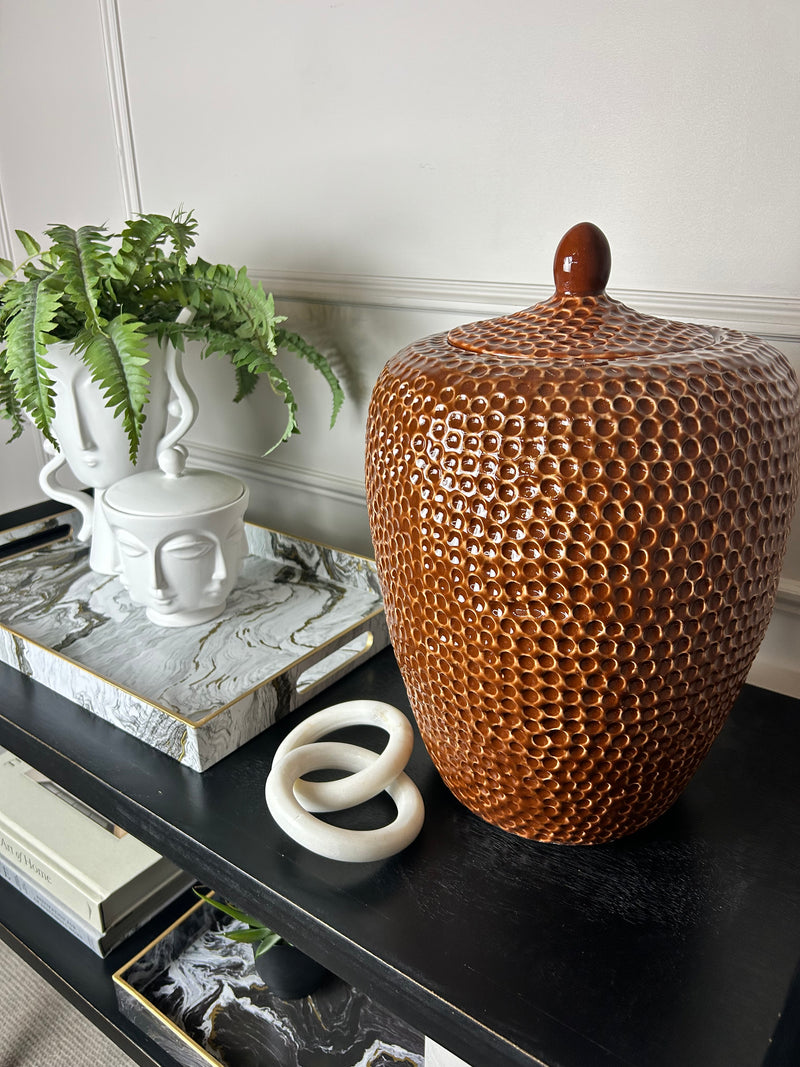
<point x="91" y="438"/>
<point x="94" y="445"/>
<point x="180" y="539"/>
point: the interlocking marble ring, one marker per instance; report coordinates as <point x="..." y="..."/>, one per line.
<point x="366" y="783"/>
<point x="290" y="800"/>
<point x="334" y="842"/>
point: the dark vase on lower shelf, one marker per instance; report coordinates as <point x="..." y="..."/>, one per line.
<point x="288" y="972"/>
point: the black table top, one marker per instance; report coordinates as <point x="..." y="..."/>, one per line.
<point x="677" y="945"/>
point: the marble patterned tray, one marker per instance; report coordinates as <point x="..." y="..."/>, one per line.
<point x="300" y="617"/>
<point x="196" y="993"/>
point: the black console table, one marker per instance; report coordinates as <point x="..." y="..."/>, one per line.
<point x="677" y="946"/>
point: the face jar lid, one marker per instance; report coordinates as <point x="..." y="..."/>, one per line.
<point x="172" y="490"/>
<point x="580" y="320"/>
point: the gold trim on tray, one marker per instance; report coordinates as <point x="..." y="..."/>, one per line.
<point x="147" y="1004"/>
<point x="389" y="968"/>
<point x="369" y="641"/>
<point x="196" y="723"/>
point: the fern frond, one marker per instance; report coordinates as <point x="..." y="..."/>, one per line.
<point x="280" y="385"/>
<point x="32" y="247"/>
<point x="10" y="407"/>
<point x="297" y="344"/>
<point x="228" y="299"/>
<point x="38" y="264"/>
<point x="217" y="342"/>
<point x="245" y="383"/>
<point x="85" y="259"/>
<point x="181" y="230"/>
<point x="15" y="295"/>
<point x="117" y="360"/>
<point x="108" y="304"/>
<point x="250" y="361"/>
<point x="28" y="332"/>
<point x="143" y="235"/>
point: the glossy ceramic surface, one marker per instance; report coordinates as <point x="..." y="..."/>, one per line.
<point x="579" y="515"/>
<point x="180" y="539"/>
<point x="92" y="439"/>
<point x="94" y="445"/>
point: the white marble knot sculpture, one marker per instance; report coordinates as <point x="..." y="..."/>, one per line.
<point x="291" y="799"/>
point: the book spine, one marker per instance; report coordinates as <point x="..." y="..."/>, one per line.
<point x="85" y="933"/>
<point x="35" y="867"/>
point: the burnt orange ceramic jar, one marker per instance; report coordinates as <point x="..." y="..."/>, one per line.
<point x="579" y="515"/>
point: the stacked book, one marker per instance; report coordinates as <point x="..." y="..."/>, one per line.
<point x="99" y="882"/>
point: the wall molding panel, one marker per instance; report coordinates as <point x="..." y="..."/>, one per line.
<point x="773" y="317"/>
<point x="321" y="507"/>
<point x="6" y="244"/>
<point x="288" y="478"/>
<point x="789" y="596"/>
<point x="111" y="28"/>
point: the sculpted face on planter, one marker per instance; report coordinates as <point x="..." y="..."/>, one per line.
<point x="185" y="570"/>
<point x="91" y="438"/>
<point x="180" y="540"/>
<point x="579" y="515"/>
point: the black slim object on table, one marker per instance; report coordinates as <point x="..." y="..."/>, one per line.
<point x="678" y="945"/>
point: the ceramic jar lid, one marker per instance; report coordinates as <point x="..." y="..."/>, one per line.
<point x="172" y="490"/>
<point x="580" y="320"/>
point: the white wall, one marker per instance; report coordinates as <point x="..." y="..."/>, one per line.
<point x="390" y="169"/>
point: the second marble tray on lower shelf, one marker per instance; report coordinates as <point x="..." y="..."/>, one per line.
<point x="197" y="994"/>
<point x="300" y="617"/>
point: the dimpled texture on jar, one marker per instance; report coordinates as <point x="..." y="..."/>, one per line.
<point x="579" y="530"/>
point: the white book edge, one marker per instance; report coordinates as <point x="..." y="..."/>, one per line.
<point x="73" y="852"/>
<point x="22" y="858"/>
<point x="100" y="942"/>
<point x="25" y="858"/>
<point x="72" y="836"/>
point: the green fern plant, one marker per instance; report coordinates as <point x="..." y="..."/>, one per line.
<point x="108" y="294"/>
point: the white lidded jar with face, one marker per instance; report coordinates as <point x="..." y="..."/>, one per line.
<point x="180" y="538"/>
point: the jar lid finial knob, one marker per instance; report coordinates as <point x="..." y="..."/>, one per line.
<point x="582" y="264"/>
<point x="172" y="460"/>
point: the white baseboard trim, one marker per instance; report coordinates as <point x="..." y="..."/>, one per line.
<point x="777" y="665"/>
<point x="775" y="317"/>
